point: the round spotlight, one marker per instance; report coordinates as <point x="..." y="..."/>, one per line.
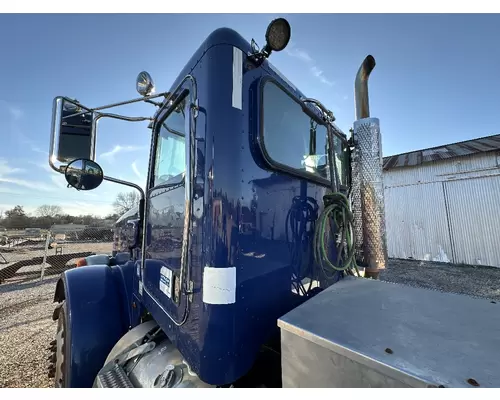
<point x="70" y="107"/>
<point x="278" y="34"/>
<point x="144" y="84"/>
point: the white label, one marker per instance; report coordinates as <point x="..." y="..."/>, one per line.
<point x="138" y="271"/>
<point x="166" y="281"/>
<point x="219" y="285"/>
<point x="140" y="288"/>
<point x="237" y="78"/>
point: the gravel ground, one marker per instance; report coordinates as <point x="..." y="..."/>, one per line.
<point x="26" y="326"/>
<point x="26" y="329"/>
<point x="481" y="282"/>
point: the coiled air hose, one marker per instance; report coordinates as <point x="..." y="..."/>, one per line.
<point x="339" y="218"/>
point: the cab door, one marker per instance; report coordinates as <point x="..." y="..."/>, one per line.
<point x="168" y="205"/>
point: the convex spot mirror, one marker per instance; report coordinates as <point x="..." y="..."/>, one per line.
<point x="73" y="131"/>
<point x="84" y="174"/>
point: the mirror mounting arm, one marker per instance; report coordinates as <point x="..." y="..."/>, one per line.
<point x="142" y="202"/>
<point x="122" y="117"/>
<point x="146" y="99"/>
<point x="136" y="100"/>
<point x="126" y="183"/>
<point x="155" y="103"/>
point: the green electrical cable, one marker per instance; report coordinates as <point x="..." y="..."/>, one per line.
<point x="338" y="216"/>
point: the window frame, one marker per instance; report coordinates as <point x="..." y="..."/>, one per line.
<point x="162" y="117"/>
<point x="275" y="165"/>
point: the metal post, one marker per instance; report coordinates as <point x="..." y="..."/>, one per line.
<point x="47" y="241"/>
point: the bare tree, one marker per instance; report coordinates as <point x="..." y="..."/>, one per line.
<point x="48" y="211"/>
<point x="125" y="201"/>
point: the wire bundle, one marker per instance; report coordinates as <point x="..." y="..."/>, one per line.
<point x="300" y="222"/>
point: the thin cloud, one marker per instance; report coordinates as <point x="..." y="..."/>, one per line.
<point x="82" y="208"/>
<point x="15" y="112"/>
<point x="25" y="140"/>
<point x="6" y="190"/>
<point x="301" y="54"/>
<point x="6" y="169"/>
<point x="38" y="150"/>
<point x="35" y="185"/>
<point x="6" y="172"/>
<point x="121" y="149"/>
<point x="321" y="76"/>
<point x="43" y="165"/>
<point x="306" y="58"/>
<point x="136" y="170"/>
<point x="59" y="181"/>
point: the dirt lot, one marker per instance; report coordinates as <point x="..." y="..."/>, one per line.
<point x="26" y="329"/>
<point x="472" y="281"/>
<point x="26" y="326"/>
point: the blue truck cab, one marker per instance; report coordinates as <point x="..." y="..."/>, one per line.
<point x="224" y="241"/>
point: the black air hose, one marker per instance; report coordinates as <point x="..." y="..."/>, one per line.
<point x="300" y="221"/>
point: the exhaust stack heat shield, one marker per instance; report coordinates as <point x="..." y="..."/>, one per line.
<point x="368" y="196"/>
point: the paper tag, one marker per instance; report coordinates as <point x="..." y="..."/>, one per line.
<point x="140" y="288"/>
<point x="219" y="285"/>
<point x="166" y="281"/>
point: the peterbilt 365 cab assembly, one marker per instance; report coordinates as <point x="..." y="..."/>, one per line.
<point x="256" y="249"/>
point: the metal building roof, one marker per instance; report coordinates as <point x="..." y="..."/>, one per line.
<point x="475" y="146"/>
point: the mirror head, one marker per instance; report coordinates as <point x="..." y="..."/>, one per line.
<point x="72" y="131"/>
<point x="84" y="174"/>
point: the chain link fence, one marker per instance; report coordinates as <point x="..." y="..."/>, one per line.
<point x="31" y="261"/>
<point x="26" y="254"/>
<point x="37" y="244"/>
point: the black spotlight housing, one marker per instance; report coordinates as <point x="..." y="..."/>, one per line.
<point x="278" y="35"/>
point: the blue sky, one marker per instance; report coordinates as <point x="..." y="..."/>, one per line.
<point x="435" y="83"/>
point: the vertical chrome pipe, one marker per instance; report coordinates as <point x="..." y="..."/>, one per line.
<point x="361" y="88"/>
<point x="367" y="192"/>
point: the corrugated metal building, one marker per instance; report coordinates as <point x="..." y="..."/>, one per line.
<point x="442" y="203"/>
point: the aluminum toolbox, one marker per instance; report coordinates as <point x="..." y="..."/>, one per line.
<point x="367" y="333"/>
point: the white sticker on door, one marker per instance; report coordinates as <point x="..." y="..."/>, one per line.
<point x="219" y="285"/>
<point x="166" y="281"/>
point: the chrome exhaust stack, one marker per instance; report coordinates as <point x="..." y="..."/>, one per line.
<point x="367" y="191"/>
<point x="361" y="88"/>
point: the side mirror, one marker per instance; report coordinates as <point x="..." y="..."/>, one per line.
<point x="73" y="131"/>
<point x="133" y="233"/>
<point x="84" y="174"/>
